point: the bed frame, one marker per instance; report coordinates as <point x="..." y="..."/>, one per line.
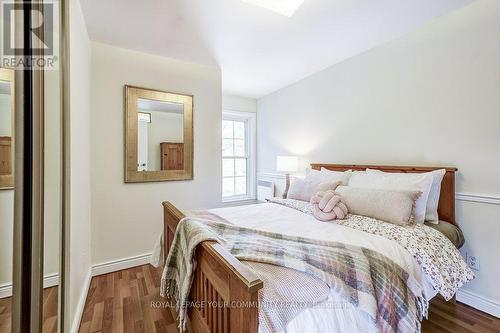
<point x="222" y="279"/>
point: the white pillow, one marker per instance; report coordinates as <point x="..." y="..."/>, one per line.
<point x="431" y="213"/>
<point x="314" y="182"/>
<point x="300" y="189"/>
<point x="397" y="181"/>
<point x="431" y="210"/>
<point x="330" y="175"/>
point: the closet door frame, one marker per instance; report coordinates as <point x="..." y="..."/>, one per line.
<point x="28" y="251"/>
<point x="27" y="303"/>
<point x="63" y="318"/>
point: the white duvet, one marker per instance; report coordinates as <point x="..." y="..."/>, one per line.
<point x="281" y="219"/>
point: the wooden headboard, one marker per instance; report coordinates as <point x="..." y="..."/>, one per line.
<point x="446" y="207"/>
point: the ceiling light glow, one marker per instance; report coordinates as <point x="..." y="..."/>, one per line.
<point x="283" y="7"/>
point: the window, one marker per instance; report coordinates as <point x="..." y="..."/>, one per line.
<point x="238" y="149"/>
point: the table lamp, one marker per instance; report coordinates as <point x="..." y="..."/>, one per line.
<point x="287" y="164"/>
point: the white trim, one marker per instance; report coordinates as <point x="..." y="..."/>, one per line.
<point x="50" y="280"/>
<point x="81" y="303"/>
<point x="481" y="303"/>
<point x="482" y="198"/>
<point x="120" y="264"/>
<point x="251" y="122"/>
<point x="239" y="202"/>
<point x="269" y="175"/>
<point x="237" y="198"/>
<point x="278" y="176"/>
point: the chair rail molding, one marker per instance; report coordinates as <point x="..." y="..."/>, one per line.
<point x="476" y="197"/>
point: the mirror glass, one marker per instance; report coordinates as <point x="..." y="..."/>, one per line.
<point x="160" y="135"/>
<point x="6" y="135"/>
<point x="52" y="199"/>
<point x="6" y="196"/>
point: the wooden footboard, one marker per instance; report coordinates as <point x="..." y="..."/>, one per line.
<point x="224" y="293"/>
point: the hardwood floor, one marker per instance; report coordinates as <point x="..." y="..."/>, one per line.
<point x="50" y="301"/>
<point x="5" y="315"/>
<point x="49" y="312"/>
<point x="123" y="302"/>
<point x="127" y="301"/>
<point x="456" y="317"/>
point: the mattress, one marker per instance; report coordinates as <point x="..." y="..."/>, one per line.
<point x="325" y="316"/>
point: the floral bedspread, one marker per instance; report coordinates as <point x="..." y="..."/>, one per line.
<point x="440" y="260"/>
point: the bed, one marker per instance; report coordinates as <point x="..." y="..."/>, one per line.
<point x="220" y="278"/>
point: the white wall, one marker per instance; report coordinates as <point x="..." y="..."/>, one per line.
<point x="127" y="218"/>
<point x="79" y="229"/>
<point x="237" y="103"/>
<point x="429" y="98"/>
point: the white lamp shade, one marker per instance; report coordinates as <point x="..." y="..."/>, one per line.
<point x="287" y="163"/>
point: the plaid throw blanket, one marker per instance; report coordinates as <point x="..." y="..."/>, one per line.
<point x="367" y="279"/>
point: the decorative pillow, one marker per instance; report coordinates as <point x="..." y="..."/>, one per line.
<point x="393" y="206"/>
<point x="328" y="206"/>
<point x="397" y="181"/>
<point x="304" y="189"/>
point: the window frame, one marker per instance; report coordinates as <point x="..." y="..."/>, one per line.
<point x="249" y="118"/>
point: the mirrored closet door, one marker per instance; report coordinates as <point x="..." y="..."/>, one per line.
<point x="51" y="198"/>
<point x="32" y="184"/>
<point x="6" y="195"/>
<point x="52" y="194"/>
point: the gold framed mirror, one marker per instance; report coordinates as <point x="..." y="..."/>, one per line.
<point x="7" y="100"/>
<point x="158" y="135"/>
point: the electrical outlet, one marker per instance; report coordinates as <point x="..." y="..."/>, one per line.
<point x="473" y="262"/>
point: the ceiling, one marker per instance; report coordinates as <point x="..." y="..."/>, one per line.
<point x="257" y="50"/>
